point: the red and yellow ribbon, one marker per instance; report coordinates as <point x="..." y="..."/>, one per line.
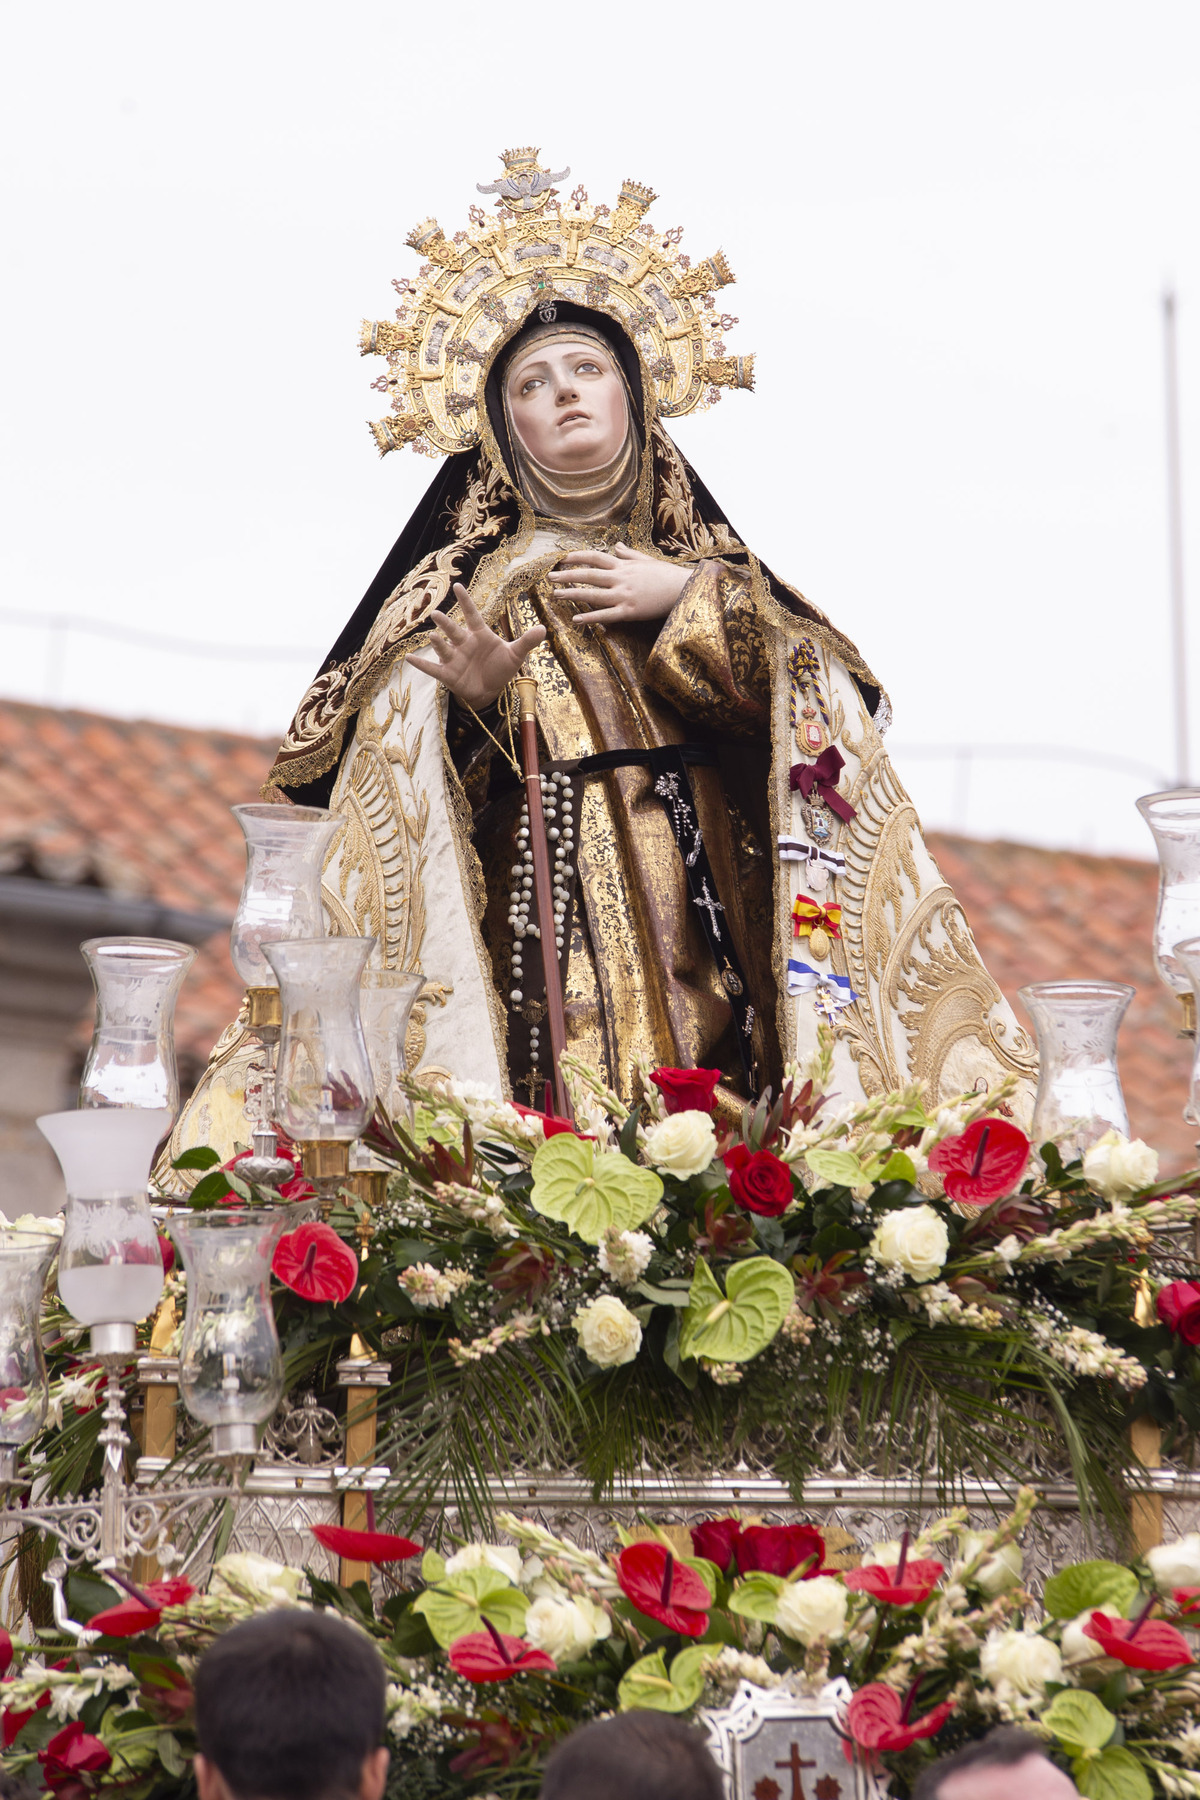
<point x="807" y="917"/>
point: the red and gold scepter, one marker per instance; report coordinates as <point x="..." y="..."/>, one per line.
<point x="556" y="1017"/>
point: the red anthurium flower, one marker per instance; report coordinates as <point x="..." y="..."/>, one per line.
<point x="551" y="1124"/>
<point x="143" y="1610"/>
<point x="759" y="1181"/>
<point x="315" y="1263"/>
<point x="165" y="1690"/>
<point x="1178" y="1306"/>
<point x="498" y="1743"/>
<point x="364" y="1546"/>
<point x="72" y="1752"/>
<point x="780" y="1550"/>
<point x="1141" y="1643"/>
<point x="876" y="1718"/>
<point x="894" y="1585"/>
<point x="664" y="1590"/>
<point x="6" y="1651"/>
<point x="296" y="1187"/>
<point x="983" y="1163"/>
<point x="716" y="1540"/>
<point x="493" y="1655"/>
<point x="1187" y="1600"/>
<point x="166" y="1250"/>
<point x="687" y="1090"/>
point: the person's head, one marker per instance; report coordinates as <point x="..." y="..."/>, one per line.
<point x="290" y="1706"/>
<point x="566" y="399"/>
<point x="634" y="1756"/>
<point x="1007" y="1764"/>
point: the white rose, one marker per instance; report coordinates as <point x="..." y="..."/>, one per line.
<point x="254" y="1577"/>
<point x="565" y="1628"/>
<point x="1002" y="1570"/>
<point x="505" y="1558"/>
<point x="1176" y="1565"/>
<point x="1020" y="1658"/>
<point x="1077" y="1647"/>
<point x="608" y="1331"/>
<point x="914" y="1239"/>
<point x="683" y="1144"/>
<point x="814" y="1609"/>
<point x="1114" y="1166"/>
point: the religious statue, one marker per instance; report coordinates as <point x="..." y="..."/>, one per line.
<point x="734" y="856"/>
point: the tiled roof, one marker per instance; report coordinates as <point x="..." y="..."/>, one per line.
<point x="144" y="808"/>
<point x="139" y="809"/>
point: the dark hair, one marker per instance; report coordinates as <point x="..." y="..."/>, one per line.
<point x="1002" y="1748"/>
<point x="289" y="1705"/>
<point x="635" y="1756"/>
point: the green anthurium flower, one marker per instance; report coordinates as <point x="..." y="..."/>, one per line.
<point x="647" y="1683"/>
<point x="460" y="1603"/>
<point x="589" y="1190"/>
<point x="735" y="1325"/>
<point x="1080" y="1721"/>
<point x="839" y="1167"/>
<point x="1087" y="1584"/>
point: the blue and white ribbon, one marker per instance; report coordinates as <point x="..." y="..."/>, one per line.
<point x="832" y="993"/>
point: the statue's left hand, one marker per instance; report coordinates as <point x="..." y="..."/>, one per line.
<point x="623" y="587"/>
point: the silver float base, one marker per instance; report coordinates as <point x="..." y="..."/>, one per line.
<point x="238" y="1439"/>
<point x="114" y="1340"/>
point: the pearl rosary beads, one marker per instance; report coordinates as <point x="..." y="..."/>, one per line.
<point x="558" y="796"/>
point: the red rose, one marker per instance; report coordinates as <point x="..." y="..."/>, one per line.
<point x="1178" y="1306"/>
<point x="876" y="1719"/>
<point x="715" y="1540"/>
<point x="315" y="1263"/>
<point x="72" y="1752"/>
<point x="166" y="1250"/>
<point x="1139" y="1643"/>
<point x="758" y="1181"/>
<point x="896" y="1586"/>
<point x="983" y="1163"/>
<point x="687" y="1090"/>
<point x="780" y="1550"/>
<point x="6" y="1651"/>
<point x="493" y="1655"/>
<point x="664" y="1590"/>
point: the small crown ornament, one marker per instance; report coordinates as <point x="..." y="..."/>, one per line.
<point x="476" y="290"/>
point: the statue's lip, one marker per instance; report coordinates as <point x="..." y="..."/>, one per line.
<point x="575" y="414"/>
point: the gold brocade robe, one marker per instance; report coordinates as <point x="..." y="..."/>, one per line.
<point x="641" y="978"/>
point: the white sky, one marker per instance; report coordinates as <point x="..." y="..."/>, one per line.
<point x="951" y="226"/>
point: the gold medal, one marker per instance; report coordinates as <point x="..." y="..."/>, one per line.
<point x="818" y="942"/>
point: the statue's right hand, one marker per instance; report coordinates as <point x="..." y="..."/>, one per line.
<point x="470" y="659"/>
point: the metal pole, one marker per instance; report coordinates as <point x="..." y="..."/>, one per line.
<point x="1175" y="540"/>
<point x="556" y="1018"/>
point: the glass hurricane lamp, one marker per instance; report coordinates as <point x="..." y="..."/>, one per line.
<point x="131" y="1061"/>
<point x="110" y="1271"/>
<point x="25" y="1257"/>
<point x="286" y="847"/>
<point x="324" y="1087"/>
<point x="230" y="1363"/>
<point x="1174" y="819"/>
<point x="1187" y="955"/>
<point x="1079" y="1094"/>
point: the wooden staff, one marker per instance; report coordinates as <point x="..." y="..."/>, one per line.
<point x="556" y="1017"/>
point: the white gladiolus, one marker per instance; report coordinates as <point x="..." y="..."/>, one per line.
<point x="1176" y="1565"/>
<point x="608" y="1331"/>
<point x="914" y="1239"/>
<point x="1116" y="1167"/>
<point x="1020" y="1661"/>
<point x="1001" y="1571"/>
<point x="683" y="1144"/>
<point x="565" y="1628"/>
<point x="625" y="1255"/>
<point x="505" y="1558"/>
<point x="814" y="1609"/>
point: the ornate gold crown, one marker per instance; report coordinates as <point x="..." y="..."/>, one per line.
<point x="473" y="293"/>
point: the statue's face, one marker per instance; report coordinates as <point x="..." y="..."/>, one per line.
<point x="568" y="405"/>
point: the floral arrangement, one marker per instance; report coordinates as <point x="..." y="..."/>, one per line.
<point x="496" y="1651"/>
<point x="648" y="1286"/>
